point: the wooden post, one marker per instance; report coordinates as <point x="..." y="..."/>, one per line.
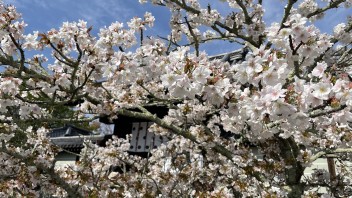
<point x="332" y="170"/>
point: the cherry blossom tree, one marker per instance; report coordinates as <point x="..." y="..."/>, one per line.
<point x="290" y="98"/>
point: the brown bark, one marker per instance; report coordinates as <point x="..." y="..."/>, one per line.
<point x="289" y="151"/>
<point x="331" y="167"/>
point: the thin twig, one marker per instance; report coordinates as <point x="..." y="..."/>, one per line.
<point x="195" y="39"/>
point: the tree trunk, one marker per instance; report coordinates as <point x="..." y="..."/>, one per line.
<point x="294" y="191"/>
<point x="289" y="151"/>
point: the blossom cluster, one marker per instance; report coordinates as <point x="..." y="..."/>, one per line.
<point x="247" y="127"/>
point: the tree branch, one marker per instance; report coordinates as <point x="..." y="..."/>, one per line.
<point x="287" y="12"/>
<point x="332" y="4"/>
<point x="325" y="112"/>
<point x="196" y="43"/>
<point x="69" y="61"/>
<point x="247" y="18"/>
<point x="21" y="68"/>
<point x="174" y="129"/>
<point x="69" y="188"/>
<point x="235" y="31"/>
<point x="334" y="151"/>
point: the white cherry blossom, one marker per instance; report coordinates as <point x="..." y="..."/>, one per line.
<point x="321" y="90"/>
<point x="318" y="71"/>
<point x="248" y="123"/>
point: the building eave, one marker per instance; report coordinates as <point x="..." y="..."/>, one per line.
<point x="75" y="140"/>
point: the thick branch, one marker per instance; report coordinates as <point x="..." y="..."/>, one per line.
<point x="234" y="31"/>
<point x="326" y="112"/>
<point x="8" y="60"/>
<point x="186" y="7"/>
<point x="148" y="116"/>
<point x="334" y="151"/>
<point x="332" y="4"/>
<point x="248" y="19"/>
<point x="174" y="129"/>
<point x="21" y="53"/>
<point x="287" y="12"/>
<point x="80" y="52"/>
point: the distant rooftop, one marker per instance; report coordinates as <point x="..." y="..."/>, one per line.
<point x="232" y="57"/>
<point x="69" y="130"/>
<point x="71" y="137"/>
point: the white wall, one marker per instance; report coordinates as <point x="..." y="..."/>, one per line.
<point x="64" y="158"/>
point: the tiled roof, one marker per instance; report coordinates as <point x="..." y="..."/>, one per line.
<point x="232" y="57"/>
<point x="75" y="141"/>
<point x="70" y="137"/>
<point x="68" y="130"/>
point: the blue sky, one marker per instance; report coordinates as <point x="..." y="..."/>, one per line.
<point x="42" y="15"/>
